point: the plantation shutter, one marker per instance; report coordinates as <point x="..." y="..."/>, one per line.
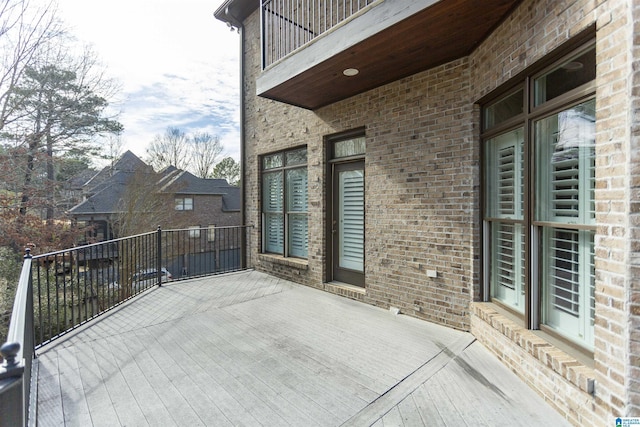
<point x="566" y="180"/>
<point x="564" y="271"/>
<point x="567" y="166"/>
<point x="297" y="201"/>
<point x="272" y="207"/>
<point x="505" y="204"/>
<point x="351" y="220"/>
<point x="506" y="180"/>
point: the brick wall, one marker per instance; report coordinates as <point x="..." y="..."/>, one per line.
<point x="207" y="210"/>
<point x="534" y="29"/>
<point x="422" y="194"/>
<point x="633" y="360"/>
<point x="421" y="186"/>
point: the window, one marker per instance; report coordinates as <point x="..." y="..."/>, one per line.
<point x="284" y="203"/>
<point x="194" y="232"/>
<point x="184" y="204"/>
<point x="539" y="205"/>
<point x="211" y="233"/>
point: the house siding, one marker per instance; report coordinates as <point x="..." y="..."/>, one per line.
<point x="422" y="195"/>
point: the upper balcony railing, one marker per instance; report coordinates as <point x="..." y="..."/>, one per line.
<point x="60" y="291"/>
<point x="290" y="24"/>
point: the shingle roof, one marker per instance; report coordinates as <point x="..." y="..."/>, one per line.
<point x="106" y="189"/>
<point x="183" y="182"/>
<point x="105" y="197"/>
<point x="127" y="163"/>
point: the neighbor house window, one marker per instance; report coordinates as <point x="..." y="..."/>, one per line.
<point x="284" y="203"/>
<point x="539" y="205"/>
<point x="184" y="204"/>
<point x="211" y="233"/>
<point x="194" y="232"/>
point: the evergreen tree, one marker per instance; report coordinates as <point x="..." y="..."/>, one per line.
<point x="228" y="169"/>
<point x="59" y="115"/>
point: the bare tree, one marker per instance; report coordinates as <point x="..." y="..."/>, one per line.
<point x="25" y="29"/>
<point x="205" y="151"/>
<point x="169" y="149"/>
<point x="112" y="149"/>
<point x="142" y="207"/>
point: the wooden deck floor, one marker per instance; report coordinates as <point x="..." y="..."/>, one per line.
<point x="251" y="349"/>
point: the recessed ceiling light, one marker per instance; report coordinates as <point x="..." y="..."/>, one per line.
<point x="350" y="72"/>
<point x="573" y="66"/>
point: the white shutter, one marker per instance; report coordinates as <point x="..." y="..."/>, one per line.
<point x="565" y="180"/>
<point x="505" y="178"/>
<point x="505" y="175"/>
<point x="274" y="233"/>
<point x="272" y="207"/>
<point x="297" y="205"/>
<point x="565" y="193"/>
<point x="506" y="249"/>
<point x="564" y="271"/>
<point x="298" y="235"/>
<point x="351" y="220"/>
<point x="569" y="282"/>
<point x="566" y="166"/>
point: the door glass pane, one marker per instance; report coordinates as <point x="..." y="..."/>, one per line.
<point x="565" y="149"/>
<point x="351" y="220"/>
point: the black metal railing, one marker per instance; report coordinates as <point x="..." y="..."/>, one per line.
<point x="73" y="286"/>
<point x="288" y="25"/>
<point x="63" y="290"/>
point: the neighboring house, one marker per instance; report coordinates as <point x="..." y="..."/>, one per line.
<point x="199" y="202"/>
<point x="471" y="163"/>
<point x="72" y="190"/>
<point x="204" y="207"/>
<point x="191" y="201"/>
<point x="103" y="194"/>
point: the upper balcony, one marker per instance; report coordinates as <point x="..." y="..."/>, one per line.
<point x="309" y="47"/>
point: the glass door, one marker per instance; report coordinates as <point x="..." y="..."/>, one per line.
<point x="348" y="223"/>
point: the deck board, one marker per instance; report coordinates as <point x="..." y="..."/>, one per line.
<point x="251" y="349"/>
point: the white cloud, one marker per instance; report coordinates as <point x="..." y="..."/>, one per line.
<point x="177" y="64"/>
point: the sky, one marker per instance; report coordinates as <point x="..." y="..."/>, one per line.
<point x="176" y="64"/>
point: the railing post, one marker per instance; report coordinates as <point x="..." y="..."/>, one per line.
<point x="159" y="260"/>
<point x="12" y="400"/>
